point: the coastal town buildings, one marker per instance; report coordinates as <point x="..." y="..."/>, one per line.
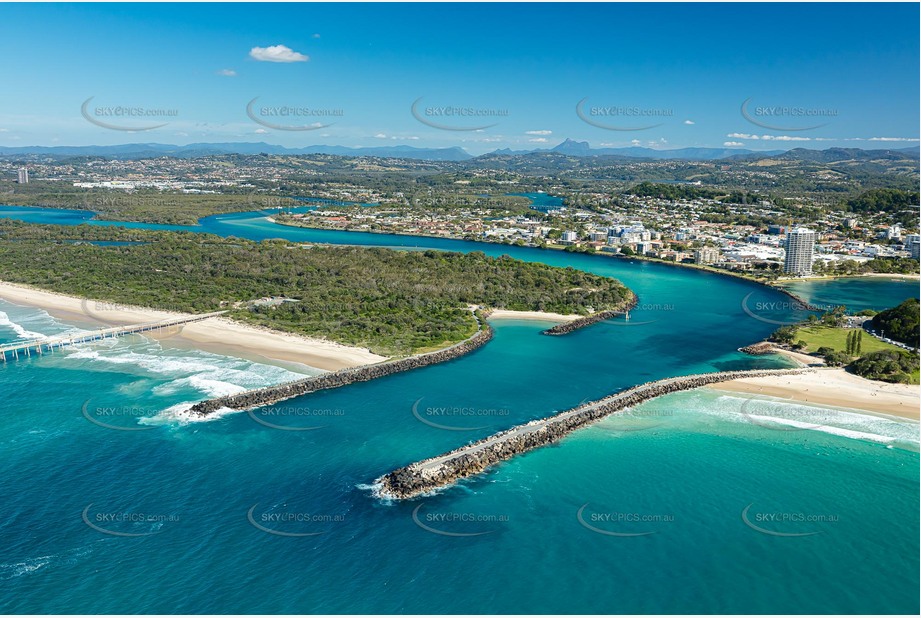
<point x="706" y="255"/>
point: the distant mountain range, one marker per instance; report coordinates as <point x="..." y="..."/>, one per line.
<point x="570" y="148"/>
<point x="582" y="149"/>
<point x="135" y="151"/>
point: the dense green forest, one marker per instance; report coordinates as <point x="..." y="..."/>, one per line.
<point x="902" y="205"/>
<point x="888" y="366"/>
<point x="692" y="192"/>
<point x="174" y="208"/>
<point x="900" y="323"/>
<point x="393" y="302"/>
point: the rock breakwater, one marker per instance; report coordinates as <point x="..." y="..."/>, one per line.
<point x="431" y="474"/>
<point x="273" y="394"/>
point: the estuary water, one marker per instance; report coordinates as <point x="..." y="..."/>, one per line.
<point x="696" y="502"/>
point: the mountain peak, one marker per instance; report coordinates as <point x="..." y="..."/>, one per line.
<point x="572" y="147"/>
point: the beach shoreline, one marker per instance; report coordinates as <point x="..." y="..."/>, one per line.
<point x="804" y="359"/>
<point x="216" y="335"/>
<point x="836" y="388"/>
<point x="538" y="316"/>
<point x="894" y="275"/>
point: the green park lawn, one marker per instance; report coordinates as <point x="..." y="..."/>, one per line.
<point x="836" y="338"/>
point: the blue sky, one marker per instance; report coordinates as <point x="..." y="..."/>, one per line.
<point x="656" y="75"/>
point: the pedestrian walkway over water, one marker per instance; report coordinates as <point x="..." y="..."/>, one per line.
<point x="20" y="349"/>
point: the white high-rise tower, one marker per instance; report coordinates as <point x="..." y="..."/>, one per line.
<point x="800" y="244"/>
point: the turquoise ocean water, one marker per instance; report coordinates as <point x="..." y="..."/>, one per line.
<point x="693" y="503"/>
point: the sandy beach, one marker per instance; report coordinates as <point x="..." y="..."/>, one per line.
<point x="507" y="314"/>
<point x="894" y="275"/>
<point x="218" y="335"/>
<point x="804" y="359"/>
<point x="837" y="388"/>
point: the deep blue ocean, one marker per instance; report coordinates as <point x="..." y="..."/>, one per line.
<point x="691" y="503"/>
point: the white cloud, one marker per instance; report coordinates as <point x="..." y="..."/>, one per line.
<point x="380" y="136"/>
<point x="635" y="142"/>
<point x="227" y="73"/>
<point x="787" y="138"/>
<point x="260" y="131"/>
<point x="776" y="138"/>
<point x="316" y="36"/>
<point x="893" y="139"/>
<point x="733" y="144"/>
<point x="688" y="122"/>
<point x="4" y="130"/>
<point x="538" y="132"/>
<point x="277" y="53"/>
<point x="538" y="140"/>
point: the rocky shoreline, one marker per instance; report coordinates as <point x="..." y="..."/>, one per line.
<point x="273" y="394"/>
<point x="759" y="349"/>
<point x="568" y="327"/>
<point x="430" y="474"/>
<point x="804" y="305"/>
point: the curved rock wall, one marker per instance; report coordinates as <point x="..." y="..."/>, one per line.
<point x="343" y="377"/>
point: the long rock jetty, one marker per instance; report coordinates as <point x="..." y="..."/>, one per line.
<point x="273" y="394"/>
<point x="430" y="474"/>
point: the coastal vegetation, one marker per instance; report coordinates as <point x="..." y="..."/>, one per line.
<point x="392" y="302"/>
<point x="900" y="323"/>
<point x="888" y="365"/>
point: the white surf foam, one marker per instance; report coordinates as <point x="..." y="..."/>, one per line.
<point x="766" y="411"/>
<point x="206" y="385"/>
<point x="181" y="414"/>
<point x="838" y="431"/>
<point x="21" y="333"/>
<point x="209" y="374"/>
